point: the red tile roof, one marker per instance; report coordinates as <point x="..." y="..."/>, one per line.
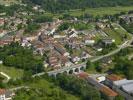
<point x="114" y="77"/>
<point x="106" y="90"/>
<point x="2" y="91"/>
<point x="83" y="75"/>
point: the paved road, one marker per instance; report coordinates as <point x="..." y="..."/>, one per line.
<point x="18" y="88"/>
<point x="5" y="75"/>
<point x="124" y="45"/>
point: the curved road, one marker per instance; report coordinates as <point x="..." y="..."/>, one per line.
<point x="124" y="45"/>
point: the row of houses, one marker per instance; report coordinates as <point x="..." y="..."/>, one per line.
<point x="121" y="85"/>
<point x="111" y="85"/>
<point x="97" y="81"/>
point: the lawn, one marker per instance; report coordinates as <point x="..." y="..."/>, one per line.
<point x="8" y="2"/>
<point x="101" y="11"/>
<point x="95" y="11"/>
<point x="121" y="31"/>
<point x="114" y="35"/>
<point x="12" y="72"/>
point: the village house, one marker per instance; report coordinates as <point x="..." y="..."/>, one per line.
<point x="108" y="41"/>
<point x="2" y="21"/>
<point x="5" y="42"/>
<point x="121" y="85"/>
<point x="96" y="81"/>
<point x="89" y="42"/>
<point x="103" y="25"/>
<point x="74" y="43"/>
<point x="111" y="78"/>
<point x="72" y="33"/>
<point x="127" y="18"/>
<point x="61" y="49"/>
<point x="75" y="59"/>
<point x="54" y="62"/>
<point x="65" y="61"/>
<point x="98" y="48"/>
<point x="25" y="43"/>
<point x="85" y="55"/>
<point x="2" y="33"/>
<point x="6" y="94"/>
<point x="38" y="47"/>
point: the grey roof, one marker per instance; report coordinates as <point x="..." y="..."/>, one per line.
<point x="8" y="94"/>
<point x="123" y="82"/>
<point x="128" y="88"/>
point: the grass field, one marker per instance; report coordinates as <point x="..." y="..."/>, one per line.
<point x="12" y="72"/>
<point x="8" y="2"/>
<point x="95" y="11"/>
<point x="101" y="11"/>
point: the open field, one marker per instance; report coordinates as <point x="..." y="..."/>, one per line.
<point x="12" y="72"/>
<point x="8" y="2"/>
<point x="101" y="11"/>
<point x="95" y="11"/>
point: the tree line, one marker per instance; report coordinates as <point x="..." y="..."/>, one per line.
<point x="14" y="55"/>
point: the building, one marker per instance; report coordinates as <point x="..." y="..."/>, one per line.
<point x="85" y="55"/>
<point x="6" y="94"/>
<point x="105" y="90"/>
<point x="121" y="85"/>
<point x="111" y="78"/>
<point x="127" y="18"/>
<point x="109" y="92"/>
<point x="2" y="33"/>
<point x="6" y="42"/>
<point x="125" y="85"/>
<point x="108" y="41"/>
<point x="54" y="62"/>
<point x="103" y="25"/>
<point x="61" y="50"/>
<point x="2" y="21"/>
<point x="89" y="42"/>
<point x="75" y="59"/>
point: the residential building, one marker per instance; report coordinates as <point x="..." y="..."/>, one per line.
<point x="2" y="21"/>
<point x="108" y="41"/>
<point x="2" y="33"/>
<point x="6" y="94"/>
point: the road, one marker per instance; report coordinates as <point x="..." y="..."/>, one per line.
<point x="5" y="75"/>
<point x="124" y="45"/>
<point x="18" y="88"/>
<point x="61" y="69"/>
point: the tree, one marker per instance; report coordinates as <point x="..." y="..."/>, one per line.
<point x="63" y="26"/>
<point x="14" y="55"/>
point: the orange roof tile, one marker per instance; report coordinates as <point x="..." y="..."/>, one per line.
<point x="108" y="91"/>
<point x="83" y="75"/>
<point x="114" y="77"/>
<point x="2" y="91"/>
